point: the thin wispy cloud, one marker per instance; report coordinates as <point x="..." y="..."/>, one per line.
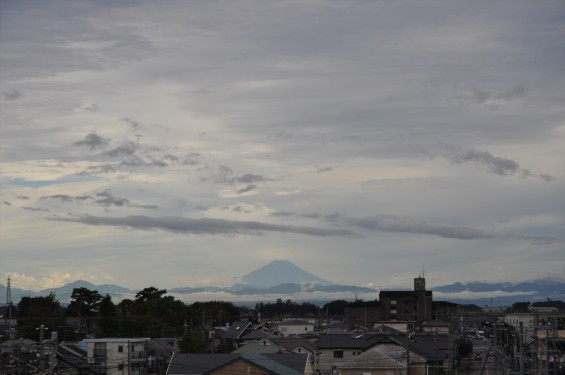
<point x="392" y="223"/>
<point x="206" y="226"/>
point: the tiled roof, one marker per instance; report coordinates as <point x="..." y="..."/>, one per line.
<point x="373" y="359"/>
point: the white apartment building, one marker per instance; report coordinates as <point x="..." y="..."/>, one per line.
<point x="118" y="356"/>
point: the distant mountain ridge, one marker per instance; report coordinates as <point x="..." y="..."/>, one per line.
<point x="283" y="278"/>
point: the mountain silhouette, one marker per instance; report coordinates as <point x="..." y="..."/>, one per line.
<point x="280" y="272"/>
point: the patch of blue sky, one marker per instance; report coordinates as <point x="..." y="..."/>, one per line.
<point x="68" y="179"/>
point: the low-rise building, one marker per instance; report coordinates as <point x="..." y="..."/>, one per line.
<point x="116" y="356"/>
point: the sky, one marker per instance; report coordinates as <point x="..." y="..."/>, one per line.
<point x="188" y="143"/>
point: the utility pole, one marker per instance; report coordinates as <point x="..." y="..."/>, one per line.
<point x="521" y="347"/>
<point x="41" y="329"/>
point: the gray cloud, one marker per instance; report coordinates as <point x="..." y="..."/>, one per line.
<point x="491" y="98"/>
<point x="95" y="169"/>
<point x="92" y="108"/>
<point x="35" y="209"/>
<point x="205" y="226"/>
<point x="134" y="125"/>
<point x="125" y="149"/>
<point x="136" y="161"/>
<point x="247" y="178"/>
<point x="6" y="203"/>
<point x="324" y="169"/>
<point x="495" y="164"/>
<point x="13" y="95"/>
<point x="109" y="200"/>
<point x="224" y="176"/>
<point x="67" y="198"/>
<point x="246" y="189"/>
<point x="392" y="223"/>
<point x="93" y="141"/>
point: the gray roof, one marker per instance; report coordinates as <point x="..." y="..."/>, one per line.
<point x="258" y="335"/>
<point x="291" y="343"/>
<point x="279" y="363"/>
<point x="361" y="341"/>
<point x="256" y="347"/>
<point x="236" y="330"/>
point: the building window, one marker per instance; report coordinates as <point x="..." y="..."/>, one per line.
<point x="120" y="349"/>
<point x="338" y="353"/>
<point x="100" y="349"/>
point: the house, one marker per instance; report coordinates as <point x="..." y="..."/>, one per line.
<point x="373" y="362"/>
<point x="114" y="356"/>
<point x="335" y="350"/>
<point x="425" y="353"/>
<point x="233" y="336"/>
<point x="233" y="363"/>
<point x="295" y="327"/>
<point x="296" y="345"/>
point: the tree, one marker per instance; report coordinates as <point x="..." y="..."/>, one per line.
<point x="47" y="306"/>
<point x="106" y="307"/>
<point x="148" y="294"/>
<point x="84" y="302"/>
<point x="35" y="311"/>
<point x="335" y="308"/>
<point x="126" y="307"/>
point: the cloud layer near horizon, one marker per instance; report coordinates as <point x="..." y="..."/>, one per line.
<point x="205" y="139"/>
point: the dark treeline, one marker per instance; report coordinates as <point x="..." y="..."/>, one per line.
<point x="89" y="314"/>
<point x="153" y="314"/>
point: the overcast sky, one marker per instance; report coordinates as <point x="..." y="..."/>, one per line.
<point x="187" y="143"/>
